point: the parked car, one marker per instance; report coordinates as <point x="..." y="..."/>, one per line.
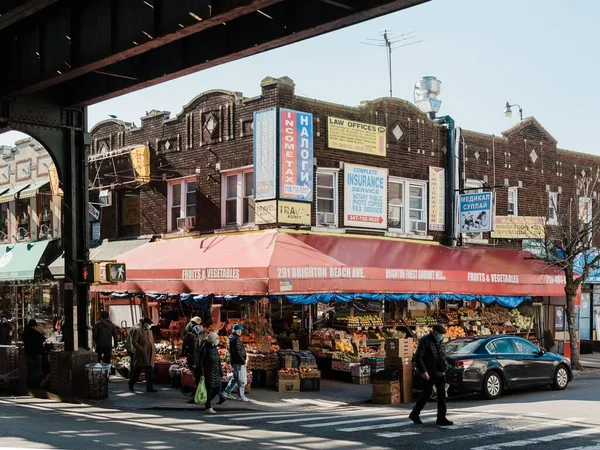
<point x="493" y="364"/>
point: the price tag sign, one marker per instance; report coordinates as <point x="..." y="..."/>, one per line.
<point x="296" y="345"/>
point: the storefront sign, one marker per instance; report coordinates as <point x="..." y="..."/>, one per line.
<point x="265" y="212"/>
<point x="294" y="213"/>
<point x="265" y="153"/>
<point x="296" y="158"/>
<point x="559" y="318"/>
<point x="357" y="137"/>
<point x="437" y="205"/>
<point x="365" y="196"/>
<point x="475" y="212"/>
<point x="210" y="274"/>
<point x="130" y="210"/>
<point x="140" y="158"/>
<point x="54" y="182"/>
<point x="93" y="212"/>
<point x="538" y="247"/>
<point x="95" y="231"/>
<point x="518" y="227"/>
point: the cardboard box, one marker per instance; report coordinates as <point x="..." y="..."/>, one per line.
<point x="342" y="366"/>
<point x="360" y="371"/>
<point x="288" y="385"/>
<point x="399" y="348"/>
<point x="386" y="388"/>
<point x="393" y="399"/>
<point x="361" y="380"/>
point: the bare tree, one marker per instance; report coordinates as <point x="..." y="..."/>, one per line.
<point x="574" y="222"/>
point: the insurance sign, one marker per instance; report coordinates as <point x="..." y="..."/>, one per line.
<point x="296" y="155"/>
<point x="365" y="196"/>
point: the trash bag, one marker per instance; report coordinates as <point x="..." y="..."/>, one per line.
<point x="201" y="395"/>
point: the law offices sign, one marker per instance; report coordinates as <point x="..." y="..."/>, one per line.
<point x="265" y="154"/>
<point x="365" y="196"/>
<point x="475" y="212"/>
<point x="296" y="155"/>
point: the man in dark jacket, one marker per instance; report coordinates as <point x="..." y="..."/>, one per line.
<point x="237" y="354"/>
<point x="33" y="342"/>
<point x="208" y="369"/>
<point x="191" y="343"/>
<point x="103" y="334"/>
<point x="430" y="361"/>
<point x="5" y="331"/>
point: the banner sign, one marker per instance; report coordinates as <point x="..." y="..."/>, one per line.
<point x="357" y="137"/>
<point x="265" y="212"/>
<point x="517" y="227"/>
<point x="437" y="204"/>
<point x="265" y="153"/>
<point x="294" y="213"/>
<point x="140" y="158"/>
<point x="296" y="158"/>
<point x="475" y="212"/>
<point x="365" y="196"/>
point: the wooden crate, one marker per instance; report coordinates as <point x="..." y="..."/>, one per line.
<point x="399" y="348"/>
<point x="386" y="399"/>
<point x="386" y="387"/>
<point x="288" y="385"/>
<point x="361" y="380"/>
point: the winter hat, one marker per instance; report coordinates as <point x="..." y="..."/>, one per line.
<point x="212" y="338"/>
<point x="196" y="320"/>
<point x="238" y="327"/>
<point x="439" y="328"/>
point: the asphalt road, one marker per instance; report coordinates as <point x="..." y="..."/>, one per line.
<point x="542" y="419"/>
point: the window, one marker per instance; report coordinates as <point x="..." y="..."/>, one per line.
<point x="4" y="221"/>
<point x="181" y="201"/>
<point x="513" y="198"/>
<point x="407" y="205"/>
<point x="500" y="346"/>
<point x="524" y="347"/>
<point x="23" y="217"/>
<point x="238" y="198"/>
<point x="553" y="207"/>
<point x="327" y="198"/>
<point x="45" y="216"/>
<point x="129" y="218"/>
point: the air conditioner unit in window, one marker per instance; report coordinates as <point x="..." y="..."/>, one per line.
<point x="105" y="198"/>
<point x="418" y="226"/>
<point x="186" y="223"/>
<point x="326" y="219"/>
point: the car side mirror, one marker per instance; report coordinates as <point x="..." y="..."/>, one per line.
<point x="541" y="352"/>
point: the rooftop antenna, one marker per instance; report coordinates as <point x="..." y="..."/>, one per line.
<point x="390" y="43"/>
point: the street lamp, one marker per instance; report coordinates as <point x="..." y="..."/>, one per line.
<point x="508" y="110"/>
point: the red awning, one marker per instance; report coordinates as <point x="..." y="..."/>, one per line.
<point x="392" y="266"/>
<point x="220" y="265"/>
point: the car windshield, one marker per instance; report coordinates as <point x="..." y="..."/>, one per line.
<point x="462" y="346"/>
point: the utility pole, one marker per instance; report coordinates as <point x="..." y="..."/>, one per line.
<point x="389" y="43"/>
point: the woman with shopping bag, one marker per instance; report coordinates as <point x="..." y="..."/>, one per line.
<point x="209" y="373"/>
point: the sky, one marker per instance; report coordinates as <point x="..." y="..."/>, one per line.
<point x="537" y="53"/>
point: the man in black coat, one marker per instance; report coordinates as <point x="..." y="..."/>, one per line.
<point x="430" y="361"/>
<point x="33" y="343"/>
<point x="237" y="354"/>
<point x="5" y="331"/>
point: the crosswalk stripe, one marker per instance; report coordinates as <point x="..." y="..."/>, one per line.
<point x="549" y="438"/>
<point x="344" y="422"/>
<point x="590" y="447"/>
<point x="286" y="413"/>
<point x="404" y="423"/>
<point x="397" y="434"/>
<point x="309" y="419"/>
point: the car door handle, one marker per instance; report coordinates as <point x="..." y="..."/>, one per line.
<point x="500" y="357"/>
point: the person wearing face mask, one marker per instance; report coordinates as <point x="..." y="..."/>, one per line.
<point x="237" y="353"/>
<point x="142" y="342"/>
<point x="208" y="369"/>
<point x="5" y="331"/>
<point x="430" y="361"/>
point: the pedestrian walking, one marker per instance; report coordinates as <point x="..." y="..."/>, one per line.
<point x="33" y="342"/>
<point x="191" y="343"/>
<point x="130" y="349"/>
<point x="192" y="323"/>
<point x="5" y="331"/>
<point x="430" y="361"/>
<point x="237" y="353"/>
<point x="142" y="341"/>
<point x="208" y="369"/>
<point x="105" y="337"/>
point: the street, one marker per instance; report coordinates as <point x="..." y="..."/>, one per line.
<point x="541" y="419"/>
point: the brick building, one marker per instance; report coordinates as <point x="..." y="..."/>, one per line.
<point x="201" y="167"/>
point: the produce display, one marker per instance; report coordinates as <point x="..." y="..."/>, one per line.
<point x="360" y="321"/>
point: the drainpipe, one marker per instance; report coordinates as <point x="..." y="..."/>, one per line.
<point x="451" y="169"/>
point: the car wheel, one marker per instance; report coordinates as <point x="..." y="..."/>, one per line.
<point x="561" y="378"/>
<point x="492" y="386"/>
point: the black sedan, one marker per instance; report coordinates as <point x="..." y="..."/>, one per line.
<point x="492" y="364"/>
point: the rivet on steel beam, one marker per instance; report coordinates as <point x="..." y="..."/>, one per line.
<point x="147" y="34"/>
<point x="195" y="16"/>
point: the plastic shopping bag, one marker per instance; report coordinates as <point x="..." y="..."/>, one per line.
<point x="201" y="395"/>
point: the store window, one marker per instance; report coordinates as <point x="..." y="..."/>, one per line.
<point x="513" y="198"/>
<point x="182" y="203"/>
<point x="4" y="222"/>
<point x="238" y="198"/>
<point x="130" y="213"/>
<point x="45" y="215"/>
<point x="407" y="205"/>
<point x="23" y="219"/>
<point x="327" y="198"/>
<point x="553" y="199"/>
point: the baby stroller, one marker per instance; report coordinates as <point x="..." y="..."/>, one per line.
<point x="188" y="383"/>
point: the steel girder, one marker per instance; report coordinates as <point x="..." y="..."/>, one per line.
<point x="75" y="52"/>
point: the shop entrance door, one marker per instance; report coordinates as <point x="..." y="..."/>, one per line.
<point x="585" y="317"/>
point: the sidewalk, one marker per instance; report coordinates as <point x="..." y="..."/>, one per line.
<point x="590" y="361"/>
<point x="333" y="394"/>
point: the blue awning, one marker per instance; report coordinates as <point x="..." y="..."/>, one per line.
<point x="584" y="259"/>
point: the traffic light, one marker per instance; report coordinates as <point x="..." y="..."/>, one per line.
<point x="116" y="272"/>
<point x="90" y="273"/>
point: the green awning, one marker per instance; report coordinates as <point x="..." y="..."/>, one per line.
<point x="32" y="189"/>
<point x="20" y="261"/>
<point x="9" y="195"/>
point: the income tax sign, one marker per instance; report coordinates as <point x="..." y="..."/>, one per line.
<point x="475" y="212"/>
<point x="365" y="196"/>
<point x="296" y="157"/>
